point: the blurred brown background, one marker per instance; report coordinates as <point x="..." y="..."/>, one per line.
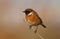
<point x="13" y="26"/>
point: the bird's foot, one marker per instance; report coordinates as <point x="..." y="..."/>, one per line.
<point x="35" y="31"/>
<point x="30" y="27"/>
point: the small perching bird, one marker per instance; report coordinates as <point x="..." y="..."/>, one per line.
<point x="33" y="19"/>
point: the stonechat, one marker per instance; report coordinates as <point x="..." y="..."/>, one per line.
<point x="33" y="19"/>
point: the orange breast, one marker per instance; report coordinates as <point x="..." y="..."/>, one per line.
<point x="32" y="19"/>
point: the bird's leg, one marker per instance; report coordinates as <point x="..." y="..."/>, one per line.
<point x="36" y="29"/>
<point x="30" y="26"/>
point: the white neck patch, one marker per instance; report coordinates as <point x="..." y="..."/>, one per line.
<point x="30" y="13"/>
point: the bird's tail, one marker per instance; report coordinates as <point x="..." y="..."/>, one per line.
<point x="43" y="25"/>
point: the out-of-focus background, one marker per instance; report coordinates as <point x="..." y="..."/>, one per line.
<point x="13" y="26"/>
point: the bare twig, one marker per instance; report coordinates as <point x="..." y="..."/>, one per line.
<point x="39" y="36"/>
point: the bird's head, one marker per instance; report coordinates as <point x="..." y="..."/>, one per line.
<point x="27" y="11"/>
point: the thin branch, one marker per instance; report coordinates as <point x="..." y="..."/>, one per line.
<point x="39" y="36"/>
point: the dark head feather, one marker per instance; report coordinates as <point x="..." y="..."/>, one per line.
<point x="27" y="11"/>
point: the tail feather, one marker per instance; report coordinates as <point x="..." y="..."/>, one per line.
<point x="43" y="25"/>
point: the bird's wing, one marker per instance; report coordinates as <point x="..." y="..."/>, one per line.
<point x="38" y="16"/>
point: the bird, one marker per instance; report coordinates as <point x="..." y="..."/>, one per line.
<point x="33" y="18"/>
